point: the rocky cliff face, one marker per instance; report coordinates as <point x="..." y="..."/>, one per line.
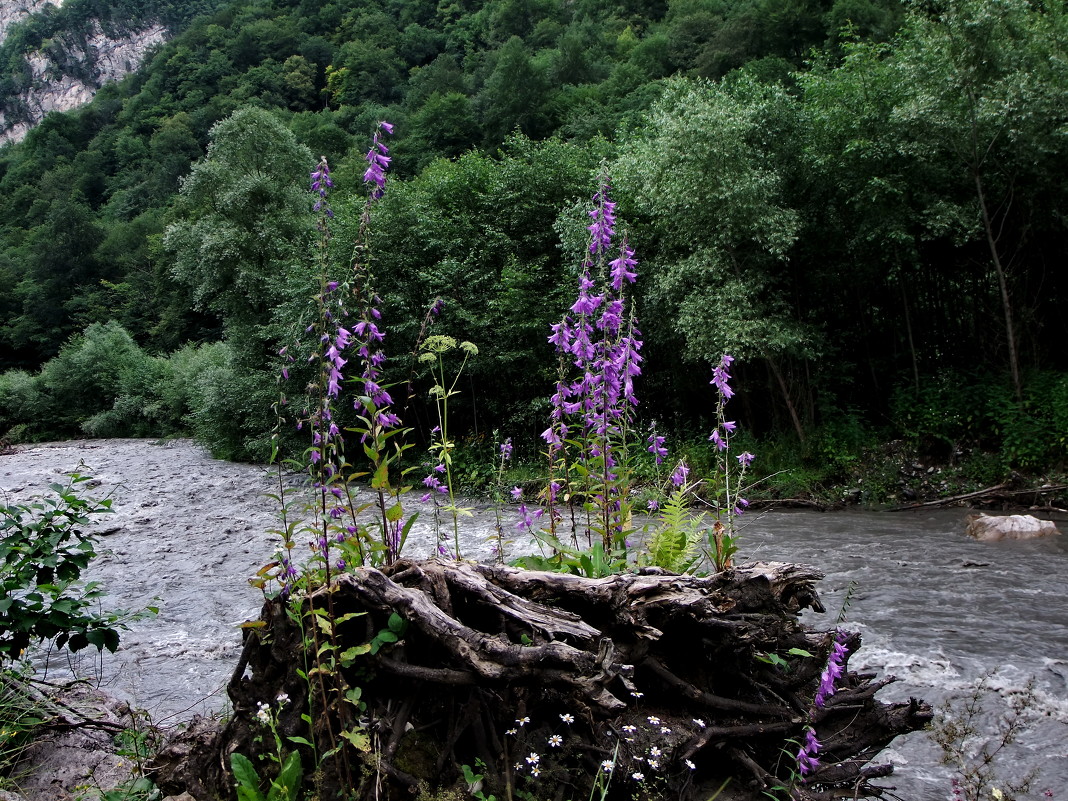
<point x="49" y="86"/>
<point x="12" y="11"/>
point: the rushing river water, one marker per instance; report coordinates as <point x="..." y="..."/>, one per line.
<point x="935" y="609"/>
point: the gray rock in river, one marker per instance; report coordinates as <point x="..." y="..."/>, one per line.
<point x="991" y="528"/>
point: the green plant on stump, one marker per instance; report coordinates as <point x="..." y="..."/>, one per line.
<point x="285" y="788"/>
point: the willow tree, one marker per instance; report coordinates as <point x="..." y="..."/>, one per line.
<point x="702" y="176"/>
<point x="239" y="240"/>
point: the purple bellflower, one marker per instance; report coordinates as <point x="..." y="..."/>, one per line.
<point x="377" y="161"/>
<point x="807" y="761"/>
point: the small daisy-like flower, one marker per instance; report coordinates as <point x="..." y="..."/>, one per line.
<point x="630" y="729"/>
<point x="654" y="720"/>
<point x="637" y="694"/>
<point x="638" y="758"/>
<point x="523" y="721"/>
<point x="556" y="741"/>
<point x="567" y="718"/>
<point x="512" y="732"/>
<point x="518" y="767"/>
<point x="535" y="771"/>
<point x="665" y="730"/>
<point x="689" y="764"/>
<point x="607" y="766"/>
<point x="638" y="776"/>
<point x="533" y="759"/>
<point x="654" y="751"/>
<point x="654" y="764"/>
<point x="699" y="723"/>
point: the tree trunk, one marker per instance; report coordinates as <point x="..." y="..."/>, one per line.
<point x="1003" y="286"/>
<point x="798" y="428"/>
<point x="548" y="683"/>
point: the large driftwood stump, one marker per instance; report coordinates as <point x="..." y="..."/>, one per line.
<point x="543" y="680"/>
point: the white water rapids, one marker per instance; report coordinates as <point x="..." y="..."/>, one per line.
<point x="935" y="609"/>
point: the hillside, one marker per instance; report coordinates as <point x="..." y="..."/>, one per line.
<point x="854" y="198"/>
<point x="57" y="54"/>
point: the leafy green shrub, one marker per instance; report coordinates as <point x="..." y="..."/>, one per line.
<point x="839" y="443"/>
<point x="43" y="550"/>
<point x="85" y="378"/>
<point x="138" y="411"/>
<point x="1033" y="433"/>
<point x="957" y="411"/>
<point x="1058" y="409"/>
<point x="231" y="406"/>
<point x="18" y="394"/>
<point x="102" y="384"/>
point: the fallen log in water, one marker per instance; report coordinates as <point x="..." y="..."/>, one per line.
<point x="549" y="681"/>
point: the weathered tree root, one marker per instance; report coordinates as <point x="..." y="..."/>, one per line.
<point x="526" y="672"/>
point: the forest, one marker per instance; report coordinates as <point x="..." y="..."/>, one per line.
<point x="861" y="201"/>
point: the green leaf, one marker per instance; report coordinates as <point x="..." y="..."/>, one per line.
<point x="348" y="656"/>
<point x="358" y="739"/>
<point x="380" y="480"/>
<point x="287" y="786"/>
<point x="248" y="781"/>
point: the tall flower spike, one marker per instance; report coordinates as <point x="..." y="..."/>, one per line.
<point x="377" y="162"/>
<point x="807" y="761"/>
<point x="833" y="670"/>
<point x="623" y="267"/>
<point x="604" y="221"/>
<point x="320" y="182"/>
<point x="721" y="377"/>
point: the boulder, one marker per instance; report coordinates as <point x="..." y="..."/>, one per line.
<point x="992" y="528"/>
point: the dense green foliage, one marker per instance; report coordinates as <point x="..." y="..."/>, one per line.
<point x="854" y="198"/>
<point x="43" y="550"/>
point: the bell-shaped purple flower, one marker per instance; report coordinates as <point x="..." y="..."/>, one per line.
<point x="807" y="761"/>
<point x="377" y="162"/>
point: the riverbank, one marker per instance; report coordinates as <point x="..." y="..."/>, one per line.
<point x="895" y="476"/>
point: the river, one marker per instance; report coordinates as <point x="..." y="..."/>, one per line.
<point x="937" y="610"/>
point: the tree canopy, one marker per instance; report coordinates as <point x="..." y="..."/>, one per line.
<point x="850" y="197"/>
